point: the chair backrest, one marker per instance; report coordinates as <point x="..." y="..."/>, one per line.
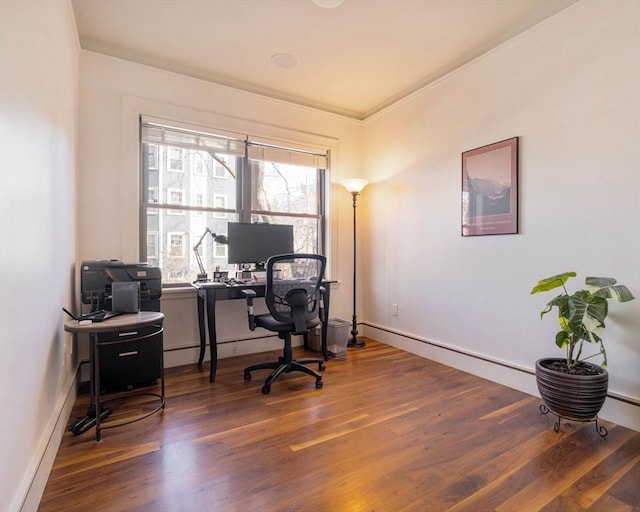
<point x="292" y="292"/>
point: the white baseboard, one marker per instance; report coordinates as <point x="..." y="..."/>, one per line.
<point x="189" y="355"/>
<point x="28" y="498"/>
<point x="621" y="411"/>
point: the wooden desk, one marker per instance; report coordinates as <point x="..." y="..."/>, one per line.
<point x="125" y="325"/>
<point x="209" y="293"/>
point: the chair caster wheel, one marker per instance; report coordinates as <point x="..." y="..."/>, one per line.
<point x="247" y="376"/>
<point x="318" y="384"/>
<point x="266" y="390"/>
<point x="321" y="367"/>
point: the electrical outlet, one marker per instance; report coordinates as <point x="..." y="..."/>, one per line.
<point x="394" y="310"/>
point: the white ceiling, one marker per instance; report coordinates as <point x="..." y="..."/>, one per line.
<point x="352" y="60"/>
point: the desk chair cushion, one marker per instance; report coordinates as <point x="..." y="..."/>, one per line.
<point x="268" y="322"/>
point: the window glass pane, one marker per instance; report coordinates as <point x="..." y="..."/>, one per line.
<point x="171" y="239"/>
<point x="284" y="188"/>
<point x="210" y="184"/>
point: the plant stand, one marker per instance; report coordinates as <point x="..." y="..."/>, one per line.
<point x="600" y="429"/>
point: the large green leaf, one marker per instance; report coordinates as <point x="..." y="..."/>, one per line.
<point x="586" y="314"/>
<point x="562" y="339"/>
<point x="549" y="283"/>
<point x="607" y="287"/>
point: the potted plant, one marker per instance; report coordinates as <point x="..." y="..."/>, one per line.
<point x="572" y="387"/>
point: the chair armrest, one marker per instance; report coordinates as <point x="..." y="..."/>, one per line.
<point x="250" y="295"/>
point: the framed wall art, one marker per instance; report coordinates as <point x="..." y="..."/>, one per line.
<point x="490" y="189"/>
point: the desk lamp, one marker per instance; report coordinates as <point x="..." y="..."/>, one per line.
<point x="221" y="239"/>
<point x="355" y="186"/>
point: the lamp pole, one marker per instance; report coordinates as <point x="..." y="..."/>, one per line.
<point x="355" y="186"/>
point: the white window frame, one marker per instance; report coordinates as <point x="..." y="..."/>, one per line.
<point x="136" y="109"/>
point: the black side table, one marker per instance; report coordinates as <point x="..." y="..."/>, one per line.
<point x="128" y="327"/>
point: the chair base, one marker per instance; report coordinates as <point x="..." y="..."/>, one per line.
<point x="286" y="364"/>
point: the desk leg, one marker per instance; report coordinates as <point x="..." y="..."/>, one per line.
<point x="211" y="325"/>
<point x="95" y="381"/>
<point x="201" y="328"/>
<point x="325" y="324"/>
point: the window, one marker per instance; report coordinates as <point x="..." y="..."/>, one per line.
<point x="176" y="245"/>
<point x="223" y="177"/>
<point x="200" y="162"/>
<point x="220" y="201"/>
<point x="152" y="245"/>
<point x="176" y="159"/>
<point x="153" y="157"/>
<point x="220" y="171"/>
<point x="198" y="200"/>
<point x="153" y="199"/>
<point x="175" y="196"/>
<point x="220" y="251"/>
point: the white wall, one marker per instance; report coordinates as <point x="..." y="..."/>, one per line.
<point x="38" y="118"/>
<point x="570" y="89"/>
<point x="113" y="93"/>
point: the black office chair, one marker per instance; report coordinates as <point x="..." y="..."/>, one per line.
<point x="293" y="296"/>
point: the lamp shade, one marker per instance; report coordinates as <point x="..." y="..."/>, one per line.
<point x="354" y="184"/>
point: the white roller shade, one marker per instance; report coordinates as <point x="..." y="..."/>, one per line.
<point x="191" y="139"/>
<point x="286" y="156"/>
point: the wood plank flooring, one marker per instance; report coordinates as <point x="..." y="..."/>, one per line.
<point x="389" y="431"/>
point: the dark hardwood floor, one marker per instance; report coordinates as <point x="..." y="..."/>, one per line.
<point x="389" y="432"/>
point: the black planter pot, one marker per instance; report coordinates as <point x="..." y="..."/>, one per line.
<point x="574" y="397"/>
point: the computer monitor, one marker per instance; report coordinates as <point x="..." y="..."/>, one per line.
<point x="256" y="243"/>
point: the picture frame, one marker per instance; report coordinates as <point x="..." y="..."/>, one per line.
<point x="490" y="189"/>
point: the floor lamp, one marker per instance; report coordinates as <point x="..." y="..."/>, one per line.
<point x="355" y="186"/>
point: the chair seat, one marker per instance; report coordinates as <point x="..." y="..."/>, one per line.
<point x="266" y="321"/>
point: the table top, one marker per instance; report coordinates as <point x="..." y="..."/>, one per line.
<point x="213" y="284"/>
<point x="249" y="284"/>
<point x="116" y="323"/>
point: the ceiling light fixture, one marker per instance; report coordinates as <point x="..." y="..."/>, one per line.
<point x="328" y="4"/>
<point x="284" y="60"/>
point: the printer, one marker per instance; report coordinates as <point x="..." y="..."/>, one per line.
<point x="97" y="278"/>
<point x="129" y="359"/>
